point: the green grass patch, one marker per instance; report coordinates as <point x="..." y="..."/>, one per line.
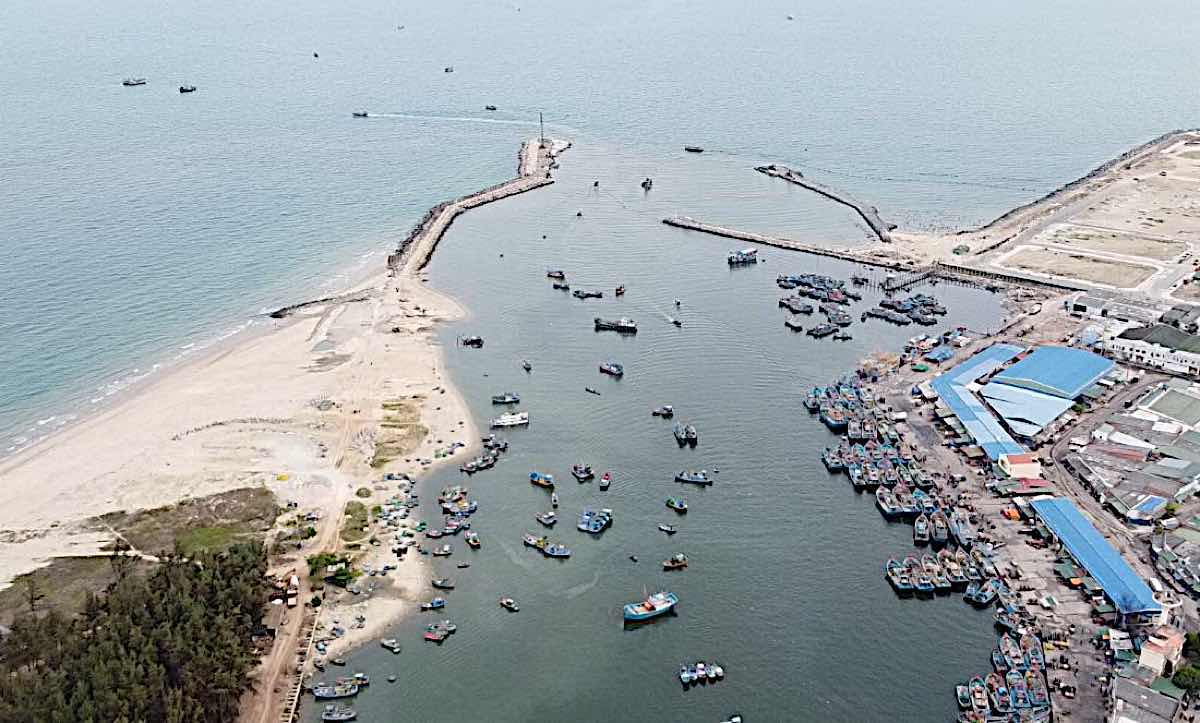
<point x="354" y="522"/>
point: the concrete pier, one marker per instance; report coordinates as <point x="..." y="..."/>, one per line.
<point x="535" y="162"/>
<point x="870" y="214"/>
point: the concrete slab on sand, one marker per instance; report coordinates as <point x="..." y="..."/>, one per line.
<point x="1113" y="241"/>
<point x="1093" y="269"/>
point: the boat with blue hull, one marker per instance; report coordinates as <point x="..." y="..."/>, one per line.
<point x="660" y="603"/>
<point x="594" y="521"/>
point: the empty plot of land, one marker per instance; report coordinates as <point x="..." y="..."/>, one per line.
<point x="1077" y="266"/>
<point x="1116" y="242"/>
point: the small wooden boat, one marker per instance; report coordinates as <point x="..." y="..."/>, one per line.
<point x="678" y="504"/>
<point x="187" y="89"/>
<point x="435" y="604"/>
<point x="582" y="472"/>
<point x="131" y="82"/>
<point x="338" y="713"/>
<point x="693" y="477"/>
<point x="509" y="604"/>
<point x="542" y="480"/>
<point x="620" y="291"/>
<point x="359" y="114"/>
<point x="654" y="605"/>
<point x="549" y="519"/>
<point x="666" y="411"/>
<point x="669" y="529"/>
<point x="475" y="342"/>
<point x="489" y="107"/>
<point x="556" y="274"/>
<point x="443" y="583"/>
<point x="693" y="149"/>
<point x="678" y="561"/>
<point x="589" y="390"/>
<point x="605" y="480"/>
<point x="561" y="286"/>
<point x="526" y="366"/>
<point x="506" y="398"/>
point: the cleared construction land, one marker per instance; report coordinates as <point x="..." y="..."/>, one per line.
<point x="1092" y="269"/>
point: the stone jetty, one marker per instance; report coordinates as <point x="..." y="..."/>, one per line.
<point x="870" y="214"/>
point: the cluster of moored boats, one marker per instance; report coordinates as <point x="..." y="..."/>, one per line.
<point x="1016" y="687"/>
<point x="700" y="672"/>
<point x="945" y="571"/>
<point x="830" y="292"/>
<point x="919" y="308"/>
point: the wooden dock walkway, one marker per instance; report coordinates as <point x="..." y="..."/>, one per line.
<point x="870" y="214"/>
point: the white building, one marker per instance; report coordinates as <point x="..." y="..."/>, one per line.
<point x="1158" y="347"/>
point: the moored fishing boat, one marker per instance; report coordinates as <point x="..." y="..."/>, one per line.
<point x="548" y="518"/>
<point x="669" y="529"/>
<point x="622" y="325"/>
<point x="678" y="504"/>
<point x="963" y="694"/>
<point x="979" y="696"/>
<point x="605" y="480"/>
<point x="1036" y="686"/>
<point x="685" y="434"/>
<point x="329" y="692"/>
<point x="998" y="692"/>
<point x="338" y="713"/>
<point x="553" y="549"/>
<point x="542" y="480"/>
<point x="480" y="463"/>
<point x="1034" y="653"/>
<point x="594" y="521"/>
<point x="613" y="369"/>
<point x="581" y="294"/>
<point x="832" y="459"/>
<point x="921" y="530"/>
<point x="693" y="477"/>
<point x="940" y="532"/>
<point x="678" y="561"/>
<point x="435" y="604"/>
<point x="666" y="411"/>
<point x="509" y="604"/>
<point x="506" y="398"/>
<point x="582" y="472"/>
<point x="743" y="257"/>
<point x="512" y="419"/>
<point x="897" y="575"/>
<point x="473" y="540"/>
<point x="443" y="551"/>
<point x="654" y="605"/>
<point x="1017" y="691"/>
<point x="532" y="540"/>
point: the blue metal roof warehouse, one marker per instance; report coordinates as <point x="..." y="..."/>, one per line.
<point x="1056" y="370"/>
<point x="983" y="427"/>
<point x="1127" y="590"/>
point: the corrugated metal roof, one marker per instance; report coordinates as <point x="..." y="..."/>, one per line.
<point x="1128" y="591"/>
<point x="1178" y="406"/>
<point x="984" y="428"/>
<point x="1057" y="370"/>
<point x="1025" y="410"/>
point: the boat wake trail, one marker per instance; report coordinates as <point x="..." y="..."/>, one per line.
<point x="580" y="589"/>
<point x="456" y="119"/>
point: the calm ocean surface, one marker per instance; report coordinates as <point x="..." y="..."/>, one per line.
<point x="139" y="224"/>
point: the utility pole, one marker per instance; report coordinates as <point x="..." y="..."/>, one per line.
<point x="541" y="131"/>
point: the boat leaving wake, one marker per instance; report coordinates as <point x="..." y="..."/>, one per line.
<point x="456" y="119"/>
<point x="580" y="589"/>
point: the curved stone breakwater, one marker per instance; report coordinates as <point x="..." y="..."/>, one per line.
<point x="870" y="214"/>
<point x="535" y="161"/>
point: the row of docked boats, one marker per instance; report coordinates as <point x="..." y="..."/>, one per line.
<point x="545" y="546"/>
<point x="942" y="572"/>
<point x="700" y="672"/>
<point x="686" y="434"/>
<point x="819" y="288"/>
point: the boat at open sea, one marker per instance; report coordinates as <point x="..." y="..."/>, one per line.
<point x="622" y="325"/>
<point x="685" y="434"/>
<point x="613" y="369"/>
<point x="678" y="504"/>
<point x="542" y="480"/>
<point x="693" y="477"/>
<point x="512" y="419"/>
<point x="654" y="605"/>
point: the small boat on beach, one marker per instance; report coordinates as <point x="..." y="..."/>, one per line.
<point x="669" y="529"/>
<point x="678" y="561"/>
<point x="678" y="504"/>
<point x="509" y="604"/>
<point x="693" y="477"/>
<point x="480" y="463"/>
<point x="613" y="369"/>
<point x="443" y="583"/>
<point x="582" y="472"/>
<point x="666" y="411"/>
<point x="622" y="325"/>
<point x="654" y="605"/>
<point x="511" y="419"/>
<point x="542" y="480"/>
<point x="506" y="398"/>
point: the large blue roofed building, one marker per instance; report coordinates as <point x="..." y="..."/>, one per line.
<point x="1126" y="589"/>
<point x="1058" y="371"/>
<point x="979" y="422"/>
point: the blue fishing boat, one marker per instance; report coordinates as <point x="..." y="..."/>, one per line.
<point x="678" y="504"/>
<point x="921" y="530"/>
<point x="898" y="576"/>
<point x="693" y="477"/>
<point x="435" y="604"/>
<point x="541" y="480"/>
<point x="1017" y="690"/>
<point x="654" y="605"/>
<point x="998" y="691"/>
<point x="1031" y="647"/>
<point x="594" y="521"/>
<point x="555" y="550"/>
<point x="832" y="459"/>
